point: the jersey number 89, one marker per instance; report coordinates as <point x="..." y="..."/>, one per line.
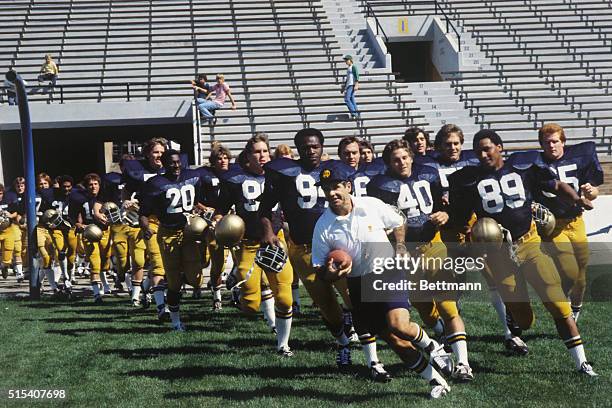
<point x="180" y="200"/>
<point x="492" y="193"/>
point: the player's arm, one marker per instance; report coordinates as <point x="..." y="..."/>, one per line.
<point x="460" y="207"/>
<point x="231" y="98"/>
<point x="269" y="199"/>
<point x="439" y="215"/>
<point x="224" y="202"/>
<point x="98" y="214"/>
<point x="567" y="193"/>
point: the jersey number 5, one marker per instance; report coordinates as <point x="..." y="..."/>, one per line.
<point x="490" y="190"/>
<point x="180" y="200"/>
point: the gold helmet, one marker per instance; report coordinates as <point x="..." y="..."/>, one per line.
<point x="112" y="212"/>
<point x="229" y="230"/>
<point x="5" y="221"/>
<point x="486" y="231"/>
<point x="544" y="219"/>
<point x="51" y="218"/>
<point x="195" y="226"/>
<point x="92" y="233"/>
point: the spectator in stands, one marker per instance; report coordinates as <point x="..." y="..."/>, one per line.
<point x="283" y="150"/>
<point x="221" y="91"/>
<point x="49" y="70"/>
<point x="418" y="140"/>
<point x="366" y="150"/>
<point x="351" y="86"/>
<point x="10" y="91"/>
<point x="202" y="89"/>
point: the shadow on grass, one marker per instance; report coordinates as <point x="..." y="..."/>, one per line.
<point x="110" y="330"/>
<point x="279" y="391"/>
<point x="146" y="353"/>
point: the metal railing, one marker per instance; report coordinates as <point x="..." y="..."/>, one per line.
<point x="407" y="8"/>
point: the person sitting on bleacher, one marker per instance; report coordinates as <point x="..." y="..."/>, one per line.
<point x="209" y="106"/>
<point x="201" y="88"/>
<point x="49" y="70"/>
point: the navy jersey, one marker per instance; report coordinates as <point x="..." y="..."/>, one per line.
<point x="44" y="200"/>
<point x="81" y="203"/>
<point x="579" y="165"/>
<point x="504" y="195"/>
<point x="210" y="186"/>
<point x="364" y="174"/>
<point x="9" y="202"/>
<point x="434" y="159"/>
<point x="169" y="199"/>
<point x="302" y="203"/>
<point x="112" y="184"/>
<point x="136" y="173"/>
<point x="242" y="189"/>
<point x="417" y="196"/>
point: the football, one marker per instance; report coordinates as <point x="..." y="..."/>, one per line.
<point x="341" y="258"/>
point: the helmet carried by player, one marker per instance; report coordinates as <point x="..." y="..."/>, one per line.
<point x="229" y="230"/>
<point x="486" y="230"/>
<point x="112" y="212"/>
<point x="271" y="258"/>
<point x="5" y="221"/>
<point x="51" y="218"/>
<point x="92" y="233"/>
<point x="195" y="226"/>
<point x="544" y="219"/>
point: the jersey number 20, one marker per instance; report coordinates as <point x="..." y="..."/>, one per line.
<point x="180" y="200"/>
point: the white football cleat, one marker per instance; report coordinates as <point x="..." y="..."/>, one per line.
<point x="438" y="390"/>
<point x="587" y="369"/>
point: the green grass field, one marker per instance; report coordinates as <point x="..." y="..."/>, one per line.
<point x="110" y="355"/>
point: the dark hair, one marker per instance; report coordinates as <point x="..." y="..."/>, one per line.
<point x="216" y="151"/>
<point x="1" y="187"/>
<point x="202" y="76"/>
<point x="393" y="146"/>
<point x="445" y="132"/>
<point x="487" y="134"/>
<point x="168" y="153"/>
<point x="91" y="176"/>
<point x="345" y="141"/>
<point x="307" y="132"/>
<point x="411" y="134"/>
<point x="65" y="178"/>
<point x="365" y="144"/>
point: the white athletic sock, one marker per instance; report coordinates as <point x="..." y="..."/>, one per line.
<point x="104" y="281"/>
<point x="421" y="340"/>
<point x="51" y="278"/>
<point x="57" y="273"/>
<point x="216" y="294"/>
<point x="576" y="350"/>
<point x="136" y="292"/>
<point x="63" y="264"/>
<point x="267" y="307"/>
<point x="283" y="330"/>
<point x="95" y="288"/>
<point x="500" y="308"/>
<point x="18" y="269"/>
<point x="128" y="282"/>
<point x="458" y="342"/>
<point x="368" y="345"/>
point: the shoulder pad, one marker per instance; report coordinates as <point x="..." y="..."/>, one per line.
<point x="112" y="178"/>
<point x="235" y="174"/>
<point x="374" y="168"/>
<point x="524" y="160"/>
<point x="284" y="166"/>
<point x="425" y="172"/>
<point x="426" y="160"/>
<point x="205" y="171"/>
<point x="10" y="196"/>
<point x="386" y="183"/>
<point x="585" y="149"/>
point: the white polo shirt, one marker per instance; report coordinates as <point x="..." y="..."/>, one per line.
<point x="361" y="234"/>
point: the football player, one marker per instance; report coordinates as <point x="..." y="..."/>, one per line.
<point x="135" y="174"/>
<point x="448" y="157"/>
<point x="46" y="251"/>
<point x="65" y="241"/>
<point x="169" y="198"/>
<point x="579" y="167"/>
<point x="366" y="149"/>
<point x="292" y="183"/>
<point x="504" y="191"/>
<point x="8" y="212"/>
<point x="417" y="191"/>
<point x="19" y="227"/>
<point x="216" y="255"/>
<point x="81" y="212"/>
<point x="418" y="140"/>
<point x="357" y="225"/>
<point x="241" y="187"/>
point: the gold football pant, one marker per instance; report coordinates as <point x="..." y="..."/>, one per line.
<point x="45" y="246"/>
<point x="181" y="257"/>
<point x="321" y="292"/>
<point x="251" y="290"/>
<point x="7" y="241"/>
<point x="216" y="256"/>
<point x="571" y="255"/>
<point x="432" y="306"/>
<point x="21" y="244"/>
<point x="156" y="264"/>
<point x="64" y="244"/>
<point x="537" y="269"/>
<point x="98" y="254"/>
<point x="128" y="245"/>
